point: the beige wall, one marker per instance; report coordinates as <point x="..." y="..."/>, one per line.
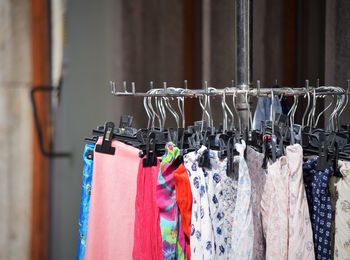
<point x="15" y="129"/>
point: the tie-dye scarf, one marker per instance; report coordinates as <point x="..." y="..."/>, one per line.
<point x="173" y="246"/>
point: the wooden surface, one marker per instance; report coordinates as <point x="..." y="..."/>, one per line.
<point x="40" y="76"/>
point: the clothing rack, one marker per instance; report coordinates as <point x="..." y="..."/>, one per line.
<point x="241" y="89"/>
<point x="228" y="91"/>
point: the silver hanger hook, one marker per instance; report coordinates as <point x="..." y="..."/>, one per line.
<point x="332" y="115"/>
<point x="249" y="112"/>
<point x="308" y="102"/>
<point x="147" y="111"/>
<point x="204" y="110"/>
<point x="155" y="114"/>
<point x="346" y="99"/>
<point x="235" y="109"/>
<point x="181" y="106"/>
<point x="292" y="111"/>
<point x="151" y="109"/>
<point x="272" y="115"/>
<point x="171" y="110"/>
<point x="339" y="106"/>
<point x="322" y="112"/>
<point x="211" y="121"/>
<point x="224" y="118"/>
<point x="162" y="110"/>
<point x="311" y="117"/>
<point x="227" y="108"/>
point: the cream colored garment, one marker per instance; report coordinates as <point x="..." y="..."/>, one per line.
<point x="342" y="214"/>
<point x="285" y="213"/>
<point x="274" y="210"/>
<point x="257" y="176"/>
<point x="300" y="238"/>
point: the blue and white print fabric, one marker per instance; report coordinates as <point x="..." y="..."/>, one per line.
<point x="320" y="207"/>
<point x="85" y="199"/>
<point x="220" y="188"/>
<point x="243" y="228"/>
<point x="202" y="236"/>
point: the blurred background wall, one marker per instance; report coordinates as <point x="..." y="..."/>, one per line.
<point x="15" y="129"/>
<point x="138" y="41"/>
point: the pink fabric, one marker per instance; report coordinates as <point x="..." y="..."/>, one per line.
<point x="112" y="208"/>
<point x="301" y="244"/>
<point x="274" y="210"/>
<point x="147" y="238"/>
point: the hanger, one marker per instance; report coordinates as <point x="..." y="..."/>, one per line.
<point x="308" y="103"/>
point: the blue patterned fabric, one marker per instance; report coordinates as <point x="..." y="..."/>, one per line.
<point x="85" y="199"/>
<point x="320" y="207"/>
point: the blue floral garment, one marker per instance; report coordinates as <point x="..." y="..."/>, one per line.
<point x="320" y="207"/>
<point x="221" y="204"/>
<point x="202" y="238"/>
<point x="85" y="199"/>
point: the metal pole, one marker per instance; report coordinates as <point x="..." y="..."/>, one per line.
<point x="242" y="37"/>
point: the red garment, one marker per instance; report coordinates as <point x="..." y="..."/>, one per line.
<point x="184" y="201"/>
<point x="147" y="235"/>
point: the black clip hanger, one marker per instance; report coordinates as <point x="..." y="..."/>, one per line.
<point x="91" y="140"/>
<point x="151" y="151"/>
<point x="322" y="162"/>
<point x="106" y="146"/>
<point x="125" y="121"/>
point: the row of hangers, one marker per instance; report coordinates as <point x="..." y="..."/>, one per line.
<point x="330" y="143"/>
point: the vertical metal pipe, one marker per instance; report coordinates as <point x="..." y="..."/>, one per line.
<point x="242" y="37"/>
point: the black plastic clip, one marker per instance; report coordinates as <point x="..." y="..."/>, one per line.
<point x="322" y="163"/>
<point x="106" y="146"/>
<point x="151" y="151"/>
<point x="126" y="121"/>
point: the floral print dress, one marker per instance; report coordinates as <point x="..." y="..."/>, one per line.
<point x="320" y="207"/>
<point x="202" y="240"/>
<point x="242" y="227"/>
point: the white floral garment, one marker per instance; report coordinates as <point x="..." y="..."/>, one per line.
<point x="243" y="228"/>
<point x="202" y="236"/>
<point x="221" y="194"/>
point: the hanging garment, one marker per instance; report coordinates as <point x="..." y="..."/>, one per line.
<point x="263" y="110"/>
<point x="258" y="177"/>
<point x="147" y="236"/>
<point x="202" y="236"/>
<point x="274" y="210"/>
<point x="300" y="239"/>
<point x="334" y="198"/>
<point x="172" y="246"/>
<point x="242" y="227"/>
<point x="320" y="207"/>
<point x="215" y="178"/>
<point x="85" y="199"/>
<point x="230" y="185"/>
<point x="184" y="202"/>
<point x="112" y="208"/>
<point x="342" y="215"/>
